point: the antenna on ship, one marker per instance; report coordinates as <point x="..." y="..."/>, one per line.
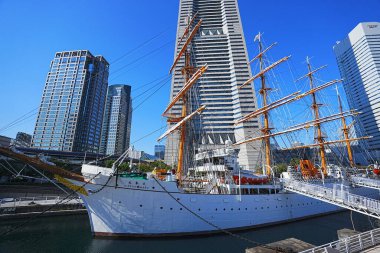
<point x="191" y="75"/>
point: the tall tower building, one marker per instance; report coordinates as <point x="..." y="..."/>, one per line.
<point x="71" y="111"/>
<point x="116" y="132"/>
<point x="358" y="58"/>
<point x="159" y="152"/>
<point x="220" y="43"/>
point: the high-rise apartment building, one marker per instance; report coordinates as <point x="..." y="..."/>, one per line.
<point x="358" y="58"/>
<point x="116" y="132"/>
<point x="71" y="111"/>
<point x="220" y="43"/>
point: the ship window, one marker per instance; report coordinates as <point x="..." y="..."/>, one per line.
<point x="199" y="209"/>
<point x="153" y="187"/>
<point x="262" y="207"/>
<point x="140" y="205"/>
<point x="216" y="209"/>
<point x="161" y="207"/>
<point x="180" y="209"/>
<point x="267" y="207"/>
<point x="232" y="209"/>
<point x="171" y="208"/>
<point x="246" y="208"/>
<point x="224" y="209"/>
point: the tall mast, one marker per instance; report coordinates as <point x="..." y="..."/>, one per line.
<point x="315" y="107"/>
<point x="190" y="79"/>
<point x="345" y="131"/>
<point x="264" y="93"/>
<point x="186" y="71"/>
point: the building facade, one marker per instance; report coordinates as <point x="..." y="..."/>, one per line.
<point x="116" y="131"/>
<point x="219" y="43"/>
<point x="5" y="141"/>
<point x="358" y="58"/>
<point x="159" y="152"/>
<point x="71" y="111"/>
<point x="22" y="140"/>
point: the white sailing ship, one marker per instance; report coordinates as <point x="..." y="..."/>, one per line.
<point x="211" y="193"/>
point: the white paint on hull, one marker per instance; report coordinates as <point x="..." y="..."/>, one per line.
<point x="141" y="207"/>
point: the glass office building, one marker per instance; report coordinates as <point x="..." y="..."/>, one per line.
<point x="116" y="132"/>
<point x="71" y="111"/>
<point x="358" y="58"/>
<point x="159" y="152"/>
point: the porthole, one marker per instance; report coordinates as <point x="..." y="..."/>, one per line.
<point x="180" y="209"/>
<point x="140" y="205"/>
<point x="161" y="207"/>
<point x="171" y="208"/>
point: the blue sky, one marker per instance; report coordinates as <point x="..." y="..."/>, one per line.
<point x="32" y="31"/>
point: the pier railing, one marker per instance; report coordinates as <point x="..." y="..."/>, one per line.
<point x="337" y="195"/>
<point x="366" y="182"/>
<point x="352" y="244"/>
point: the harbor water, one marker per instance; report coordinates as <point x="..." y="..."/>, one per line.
<point x="72" y="234"/>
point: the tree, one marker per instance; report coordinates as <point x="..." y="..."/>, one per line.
<point x="294" y="162"/>
<point x="281" y="167"/>
<point x="124" y="167"/>
<point x="109" y="163"/>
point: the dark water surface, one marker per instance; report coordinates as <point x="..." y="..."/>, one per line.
<point x="72" y="234"/>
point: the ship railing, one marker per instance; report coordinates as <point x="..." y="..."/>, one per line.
<point x="366" y="182"/>
<point x="352" y="244"/>
<point x="37" y="200"/>
<point x="338" y="195"/>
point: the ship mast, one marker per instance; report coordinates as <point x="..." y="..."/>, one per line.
<point x="190" y="77"/>
<point x="345" y="130"/>
<point x="315" y="106"/>
<point x="264" y="94"/>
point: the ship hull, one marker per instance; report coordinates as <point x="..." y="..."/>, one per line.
<point x="144" y="208"/>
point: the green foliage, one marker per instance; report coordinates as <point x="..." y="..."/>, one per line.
<point x="108" y="163"/>
<point x="124" y="167"/>
<point x="294" y="162"/>
<point x="282" y="167"/>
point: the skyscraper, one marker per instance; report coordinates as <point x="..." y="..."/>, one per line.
<point x="159" y="151"/>
<point x="116" y="132"/>
<point x="220" y="43"/>
<point x="71" y="111"/>
<point x="358" y="58"/>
